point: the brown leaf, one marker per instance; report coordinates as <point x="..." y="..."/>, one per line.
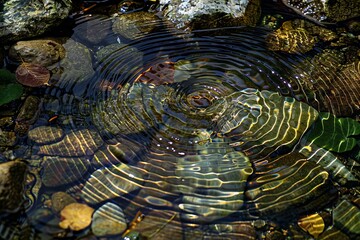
<point x="158" y="74"/>
<point x="32" y="75"/>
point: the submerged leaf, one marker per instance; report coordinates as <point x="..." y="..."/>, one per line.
<point x="10" y="92"/>
<point x="32" y="75"/>
<point x="334" y="133"/>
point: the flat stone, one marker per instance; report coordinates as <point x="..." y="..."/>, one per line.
<point x="12" y="180"/>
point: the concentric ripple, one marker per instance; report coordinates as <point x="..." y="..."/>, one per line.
<point x="192" y="124"/>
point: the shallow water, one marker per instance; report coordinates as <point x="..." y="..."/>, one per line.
<point x="152" y="130"/>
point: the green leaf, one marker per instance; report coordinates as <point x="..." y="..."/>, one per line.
<point x="334" y="133"/>
<point x="6" y="77"/>
<point x="10" y="92"/>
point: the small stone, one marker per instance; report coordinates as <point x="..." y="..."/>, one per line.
<point x="12" y="180"/>
<point x="7" y="138"/>
<point x="6" y="122"/>
<point x="76" y="216"/>
<point x="42" y="52"/>
<point x="109" y="219"/>
<point x="59" y="200"/>
<point x="28" y="114"/>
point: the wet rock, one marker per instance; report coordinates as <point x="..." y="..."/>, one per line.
<point x="291" y="40"/>
<point x="109" y="219"/>
<point x="57" y="171"/>
<point x="112" y="182"/>
<point x="28" y="114"/>
<point x="134" y="25"/>
<point x="335" y="83"/>
<point x="333" y="234"/>
<point x="202" y="14"/>
<point x="347" y="218"/>
<point x="7" y="138"/>
<point x="92" y="28"/>
<point x="76" y="216"/>
<point x="108" y="54"/>
<point x="45" y="221"/>
<point x="12" y="180"/>
<point x="42" y="52"/>
<point x="23" y="19"/>
<point x="78" y="143"/>
<point x="45" y="134"/>
<point x="326" y="11"/>
<point x="75" y="67"/>
<point x="6" y="122"/>
<point x="59" y="200"/>
<point x="308" y="187"/>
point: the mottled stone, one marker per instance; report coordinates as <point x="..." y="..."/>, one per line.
<point x="290" y="39"/>
<point x="75" y="67"/>
<point x="109" y="219"/>
<point x="28" y="114"/>
<point x="12" y="180"/>
<point x="42" y="52"/>
<point x="59" y="200"/>
<point x="134" y="25"/>
<point x="202" y="14"/>
<point x="7" y="138"/>
<point x="23" y="19"/>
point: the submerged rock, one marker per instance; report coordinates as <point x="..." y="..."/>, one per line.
<point x="28" y="114"/>
<point x="23" y="19"/>
<point x="135" y="24"/>
<point x="202" y="14"/>
<point x="75" y="67"/>
<point x="109" y="219"/>
<point x="12" y="180"/>
<point x="42" y="52"/>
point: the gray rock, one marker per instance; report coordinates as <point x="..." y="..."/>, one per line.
<point x="201" y="14"/>
<point x="42" y="52"/>
<point x="75" y="67"/>
<point x="21" y="19"/>
<point x="12" y="180"/>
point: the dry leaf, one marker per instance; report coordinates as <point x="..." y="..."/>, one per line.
<point x="32" y="75"/>
<point x="76" y="216"/>
<point x="313" y="224"/>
